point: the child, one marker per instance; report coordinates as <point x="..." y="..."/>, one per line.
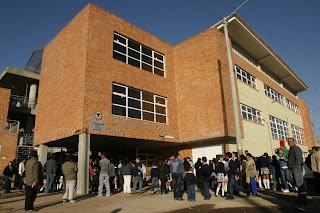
<point x="95" y="179"/>
<point x="221" y="172"/>
<point x="191" y="180"/>
<point x="155" y="174"/>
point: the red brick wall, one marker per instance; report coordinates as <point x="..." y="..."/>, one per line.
<point x="102" y="70"/>
<point x="204" y="97"/>
<point x="307" y="127"/>
<point x="62" y="83"/>
<point x="8" y="140"/>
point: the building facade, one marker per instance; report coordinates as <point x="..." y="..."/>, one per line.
<point x="107" y="85"/>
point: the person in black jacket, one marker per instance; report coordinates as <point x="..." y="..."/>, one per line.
<point x="191" y="180"/>
<point x="265" y="172"/>
<point x="206" y="172"/>
<point x="233" y="173"/>
<point x="198" y="165"/>
<point x="138" y="176"/>
<point x="221" y="173"/>
<point x="8" y="172"/>
<point x="164" y="174"/>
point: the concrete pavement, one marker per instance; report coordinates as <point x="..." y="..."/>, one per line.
<point x="267" y="201"/>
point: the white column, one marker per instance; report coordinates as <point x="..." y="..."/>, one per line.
<point x="83" y="164"/>
<point x="43" y="153"/>
<point x="32" y="96"/>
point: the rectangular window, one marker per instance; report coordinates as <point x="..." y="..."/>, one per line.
<point x="135" y="54"/>
<point x="245" y="77"/>
<point x="250" y="113"/>
<point x="279" y="128"/>
<point x="297" y="134"/>
<point x="273" y="94"/>
<point x="292" y="106"/>
<point x="133" y="103"/>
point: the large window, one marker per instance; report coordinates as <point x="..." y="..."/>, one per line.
<point x="273" y="94"/>
<point x="135" y="54"/>
<point x="292" y="106"/>
<point x="133" y="103"/>
<point x="250" y="113"/>
<point x="279" y="128"/>
<point x="245" y="77"/>
<point x="297" y="134"/>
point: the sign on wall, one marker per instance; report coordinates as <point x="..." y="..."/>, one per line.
<point x="98" y="115"/>
<point x="96" y="126"/>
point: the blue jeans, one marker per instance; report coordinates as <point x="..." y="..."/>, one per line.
<point x="155" y="183"/>
<point x="137" y="180"/>
<point x="285" y="176"/>
<point x="233" y="185"/>
<point x="49" y="179"/>
<point x="205" y="182"/>
<point x="104" y="179"/>
<point x="253" y="185"/>
<point x="191" y="190"/>
<point x="176" y="184"/>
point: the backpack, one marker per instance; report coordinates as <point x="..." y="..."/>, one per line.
<point x="137" y="170"/>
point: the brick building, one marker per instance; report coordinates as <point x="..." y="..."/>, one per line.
<point x="107" y="85"/>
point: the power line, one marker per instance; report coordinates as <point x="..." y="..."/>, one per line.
<point x="204" y="6"/>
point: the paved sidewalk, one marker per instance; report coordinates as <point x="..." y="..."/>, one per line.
<point x="268" y="201"/>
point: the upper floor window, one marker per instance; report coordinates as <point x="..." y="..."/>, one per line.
<point x="292" y="106"/>
<point x="245" y="77"/>
<point x="279" y="128"/>
<point x="250" y="113"/>
<point x="297" y="134"/>
<point x="135" y="54"/>
<point x="273" y="94"/>
<point x="134" y="103"/>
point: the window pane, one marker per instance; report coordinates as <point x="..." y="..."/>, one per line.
<point x="249" y="117"/>
<point x="119" y="100"/>
<point x="147" y="97"/>
<point x="133" y="93"/>
<point x="134" y="62"/>
<point x="160" y="109"/>
<point x="161" y="119"/>
<point x="147" y="106"/>
<point x="244" y="115"/>
<point x="158" y="56"/>
<point x="119" y="39"/>
<point x="147" y="116"/>
<point x="147" y="51"/>
<point x="158" y="72"/>
<point x="119" y="57"/>
<point x="134" y="45"/>
<point x="119" y="48"/>
<point x="118" y="89"/>
<point x="134" y="54"/>
<point x="134" y="103"/>
<point x="147" y="67"/>
<point x="116" y="110"/>
<point x="158" y="64"/>
<point x="134" y="113"/>
<point x="147" y="59"/>
<point x="160" y="100"/>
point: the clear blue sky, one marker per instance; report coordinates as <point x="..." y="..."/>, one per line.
<point x="290" y="27"/>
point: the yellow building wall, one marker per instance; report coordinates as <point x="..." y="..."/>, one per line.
<point x="257" y="137"/>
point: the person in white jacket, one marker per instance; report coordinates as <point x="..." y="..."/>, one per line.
<point x="21" y="172"/>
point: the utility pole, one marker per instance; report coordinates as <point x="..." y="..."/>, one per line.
<point x="233" y="90"/>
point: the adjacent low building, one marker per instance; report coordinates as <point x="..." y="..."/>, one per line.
<point x="107" y="85"/>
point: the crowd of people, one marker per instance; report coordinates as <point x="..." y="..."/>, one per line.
<point x="225" y="175"/>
